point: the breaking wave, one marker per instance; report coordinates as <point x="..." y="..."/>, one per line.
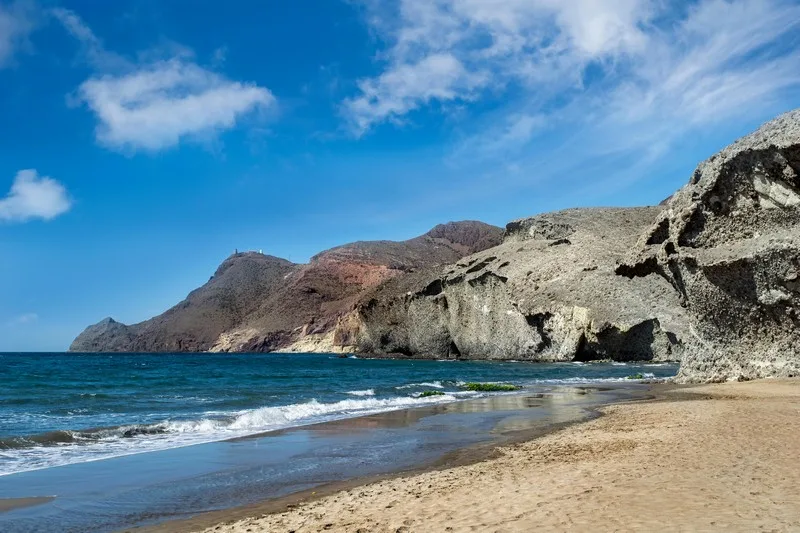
<point x="589" y="380"/>
<point x="58" y="448"/>
<point x="431" y="384"/>
<point x="368" y="392"/>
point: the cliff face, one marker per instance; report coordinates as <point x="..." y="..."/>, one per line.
<point x="256" y="302"/>
<point x="549" y="292"/>
<point x="729" y="244"/>
<point x="711" y="276"/>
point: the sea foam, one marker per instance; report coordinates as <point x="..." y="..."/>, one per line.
<point x="368" y="392"/>
<point x="430" y="384"/>
<point x="105" y="443"/>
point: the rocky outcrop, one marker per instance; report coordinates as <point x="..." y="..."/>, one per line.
<point x="238" y="288"/>
<point x="106" y="335"/>
<point x="256" y="302"/>
<point x="728" y="243"/>
<point x="548" y="293"/>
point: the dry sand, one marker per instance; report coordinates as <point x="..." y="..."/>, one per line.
<point x="711" y="458"/>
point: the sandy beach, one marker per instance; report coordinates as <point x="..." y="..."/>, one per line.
<point x="710" y="458"/>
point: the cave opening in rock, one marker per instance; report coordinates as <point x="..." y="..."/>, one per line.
<point x="453" y="351"/>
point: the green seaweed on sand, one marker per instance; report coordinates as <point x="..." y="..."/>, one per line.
<point x="491" y="387"/>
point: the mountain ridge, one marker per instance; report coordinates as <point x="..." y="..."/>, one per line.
<point x="258" y="302"/>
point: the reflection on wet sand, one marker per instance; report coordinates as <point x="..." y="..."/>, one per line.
<point x="11" y="504"/>
<point x="558" y="406"/>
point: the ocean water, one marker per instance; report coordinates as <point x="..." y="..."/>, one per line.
<point x="66" y="409"/>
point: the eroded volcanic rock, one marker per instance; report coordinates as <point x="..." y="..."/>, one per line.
<point x="256" y="302"/>
<point x="728" y="243"/>
<point x="549" y="292"/>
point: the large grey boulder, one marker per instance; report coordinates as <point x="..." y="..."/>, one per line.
<point x="729" y="244"/>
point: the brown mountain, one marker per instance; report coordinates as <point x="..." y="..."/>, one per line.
<point x="256" y="302"/>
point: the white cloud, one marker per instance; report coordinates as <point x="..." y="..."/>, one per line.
<point x="724" y="61"/>
<point x="603" y="65"/>
<point x="34" y="196"/>
<point x="157" y="106"/>
<point x="543" y="44"/>
<point x="437" y="77"/>
<point x="16" y="22"/>
<point x="156" y="103"/>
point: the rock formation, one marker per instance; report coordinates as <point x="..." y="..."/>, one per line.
<point x="549" y="292"/>
<point x="107" y="335"/>
<point x="728" y="243"/>
<point x="256" y="302"/>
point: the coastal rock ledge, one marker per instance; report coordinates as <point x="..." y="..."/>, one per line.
<point x="728" y="243"/>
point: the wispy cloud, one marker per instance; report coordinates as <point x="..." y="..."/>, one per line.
<point x="33" y="196"/>
<point x="16" y="23"/>
<point x="155" y="103"/>
<point x="621" y="74"/>
<point x="502" y="136"/>
<point x="434" y="78"/>
<point x="91" y="46"/>
<point x="24" y="319"/>
<point x="545" y="45"/>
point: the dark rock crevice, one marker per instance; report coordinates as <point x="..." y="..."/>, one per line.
<point x="485" y="278"/>
<point x="540" y="324"/>
<point x="638" y="270"/>
<point x="481" y="265"/>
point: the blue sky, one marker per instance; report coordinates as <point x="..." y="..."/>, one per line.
<point x="143" y="140"/>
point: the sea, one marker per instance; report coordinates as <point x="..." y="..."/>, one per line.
<point x="103" y="418"/>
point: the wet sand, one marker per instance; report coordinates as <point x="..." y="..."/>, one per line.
<point x="12" y="504"/>
<point x="224" y="480"/>
<point x="710" y="458"/>
<point x="568" y="410"/>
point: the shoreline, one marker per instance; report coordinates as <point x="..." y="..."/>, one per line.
<point x="331" y="403"/>
<point x="702" y="457"/>
<point x="462" y="457"/>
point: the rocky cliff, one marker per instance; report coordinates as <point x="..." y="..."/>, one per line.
<point x="549" y="292"/>
<point x="729" y="245"/>
<point x="711" y="276"/>
<point x="256" y="302"/>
